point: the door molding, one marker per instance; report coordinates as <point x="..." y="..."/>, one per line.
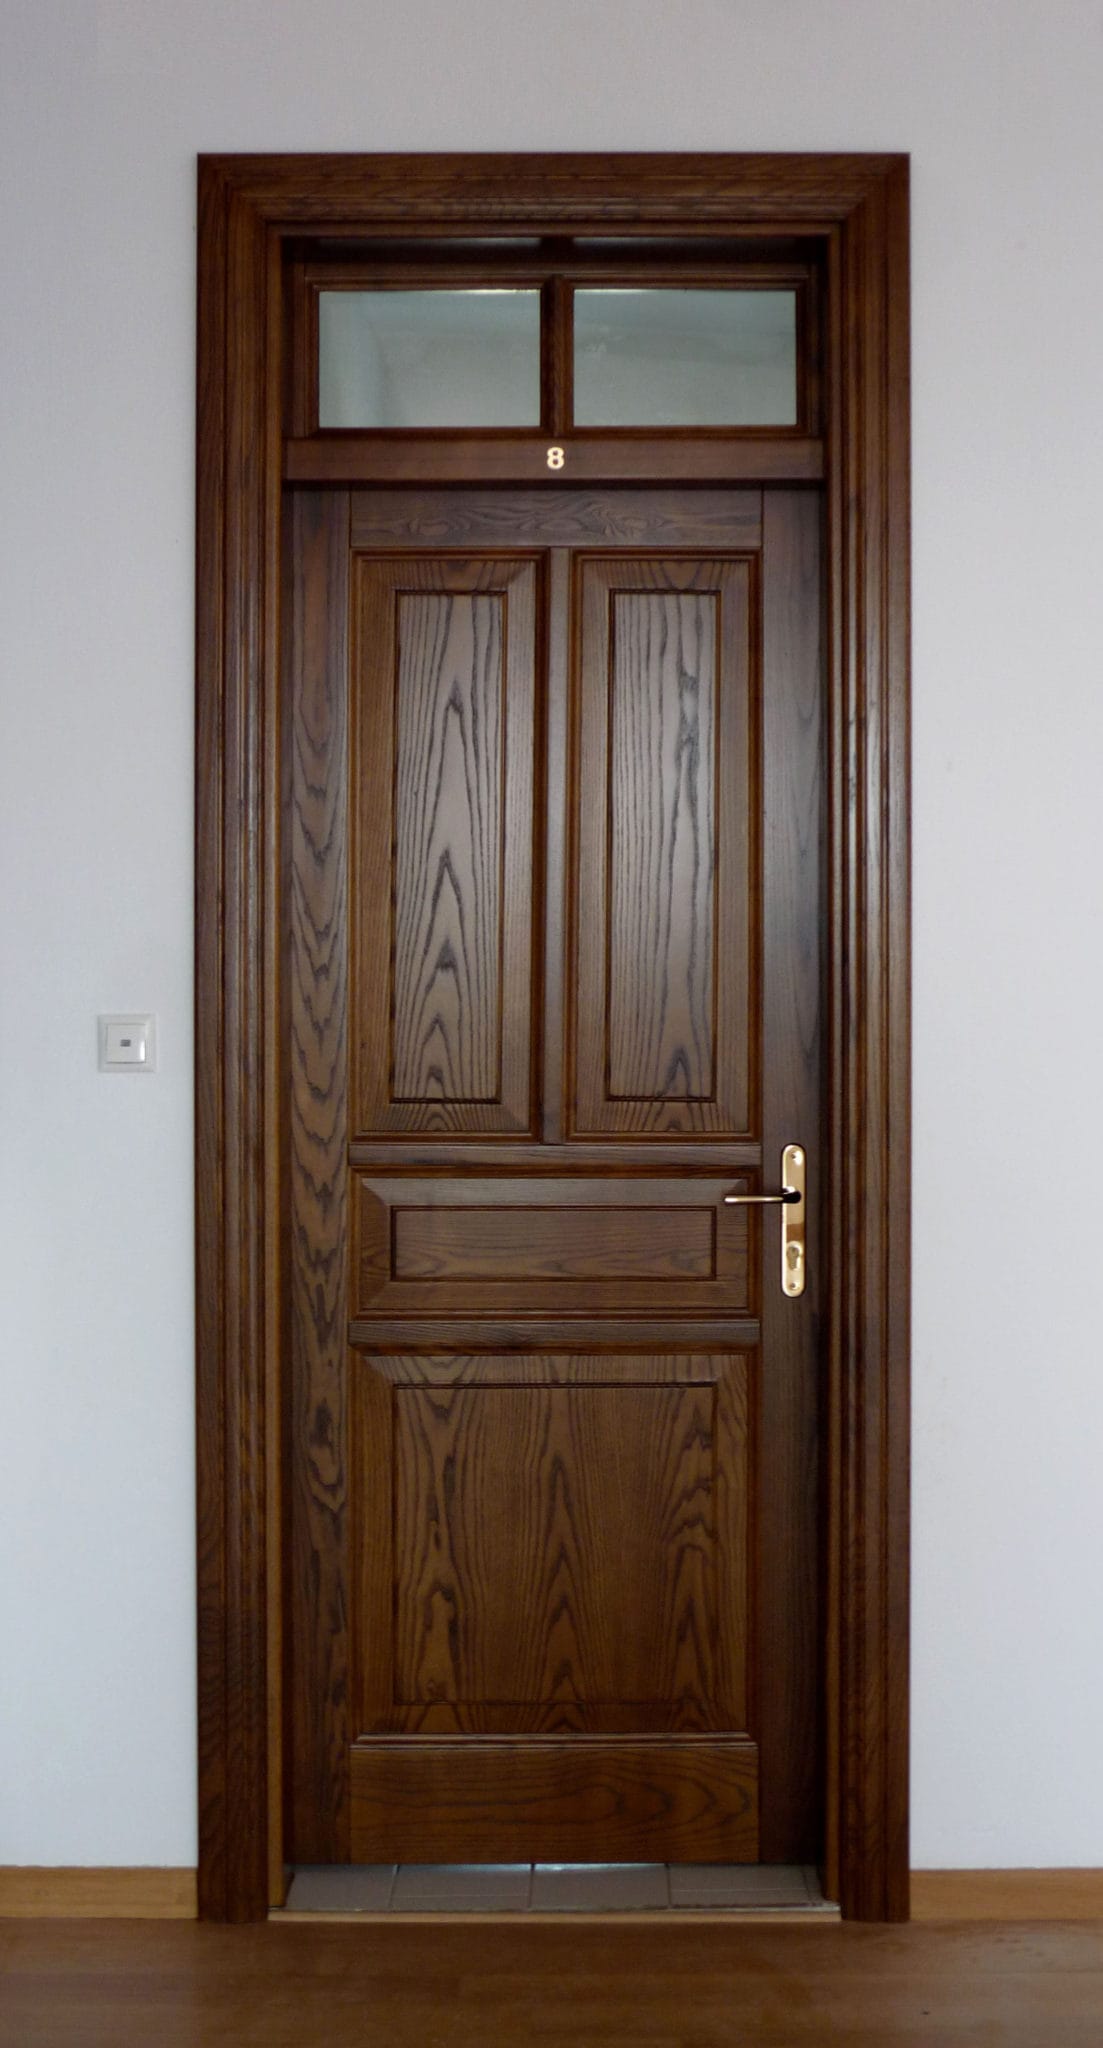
<point x="249" y="206"/>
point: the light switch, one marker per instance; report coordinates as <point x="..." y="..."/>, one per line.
<point x="128" y="1045"/>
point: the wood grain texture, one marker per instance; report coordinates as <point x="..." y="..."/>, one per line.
<point x="626" y="1980"/>
<point x="459" y="1156"/>
<point x="500" y="1332"/>
<point x="566" y="1548"/>
<point x="563" y="518"/>
<point x="28" y="1892"/>
<point x="663" y="1043"/>
<point x="236" y="1007"/>
<point x="649" y="1801"/>
<point x="681" y="191"/>
<point x="447" y="999"/>
<point x="444" y="736"/>
<point x="794" y="982"/>
<point x="349" y="459"/>
<point x="661" y="937"/>
<point x="554" y="1244"/>
<point x="1030" y="1895"/>
<point x="563" y="1246"/>
<point x="855" y="208"/>
<point x="518" y="1511"/>
<point x="316" y="994"/>
<point x="868" y="407"/>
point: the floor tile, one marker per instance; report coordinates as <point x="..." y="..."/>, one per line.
<point x="733" y="1884"/>
<point x="342" y="1888"/>
<point x="461" y="1887"/>
<point x="599" y="1887"/>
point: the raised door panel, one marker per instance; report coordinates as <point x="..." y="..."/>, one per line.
<point x="547" y="1246"/>
<point x="552" y="1558"/>
<point x="443" y="731"/>
<point x="553" y="1543"/>
<point x="664" y="891"/>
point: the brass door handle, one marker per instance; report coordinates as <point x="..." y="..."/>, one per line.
<point x="790" y="1198"/>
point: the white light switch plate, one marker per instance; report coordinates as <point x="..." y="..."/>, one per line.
<point x="128" y="1045"/>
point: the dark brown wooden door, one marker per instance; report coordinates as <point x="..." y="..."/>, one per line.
<point x="554" y="946"/>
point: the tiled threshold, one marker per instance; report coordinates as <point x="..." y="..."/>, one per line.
<point x="671" y="1890"/>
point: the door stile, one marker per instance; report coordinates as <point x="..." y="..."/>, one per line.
<point x="316" y="991"/>
<point x="553" y="1076"/>
<point x="789" y="1463"/>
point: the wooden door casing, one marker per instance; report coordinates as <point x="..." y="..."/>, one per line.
<point x="518" y="1336"/>
<point x="253" y="210"/>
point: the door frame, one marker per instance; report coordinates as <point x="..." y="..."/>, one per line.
<point x="250" y="207"/>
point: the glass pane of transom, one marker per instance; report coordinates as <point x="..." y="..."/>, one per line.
<point x="674" y="358"/>
<point x="429" y="359"/>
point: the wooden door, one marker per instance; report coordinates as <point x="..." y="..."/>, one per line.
<point x="553" y="969"/>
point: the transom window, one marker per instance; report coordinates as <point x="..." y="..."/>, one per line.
<point x="587" y="337"/>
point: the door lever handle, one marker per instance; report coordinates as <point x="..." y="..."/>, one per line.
<point x="790" y="1198"/>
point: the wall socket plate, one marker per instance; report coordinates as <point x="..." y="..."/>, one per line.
<point x="128" y="1045"/>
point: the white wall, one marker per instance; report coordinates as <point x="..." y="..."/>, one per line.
<point x="102" y="111"/>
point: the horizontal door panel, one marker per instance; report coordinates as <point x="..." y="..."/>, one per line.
<point x="557" y="518"/>
<point x="431" y="1247"/>
<point x="554" y="1244"/>
<point x="501" y="1802"/>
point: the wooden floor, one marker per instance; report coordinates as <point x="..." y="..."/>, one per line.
<point x="175" y="1985"/>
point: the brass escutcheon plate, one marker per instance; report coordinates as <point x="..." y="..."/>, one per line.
<point x="792" y="1222"/>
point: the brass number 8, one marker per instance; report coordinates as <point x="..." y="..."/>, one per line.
<point x="556" y="458"/>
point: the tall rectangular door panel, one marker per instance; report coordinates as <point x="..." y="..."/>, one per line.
<point x="664" y="881"/>
<point x="443" y="729"/>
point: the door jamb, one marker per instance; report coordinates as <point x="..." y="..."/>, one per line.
<point x="857" y="206"/>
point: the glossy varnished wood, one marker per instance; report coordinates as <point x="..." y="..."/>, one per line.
<point x="444" y="725"/>
<point x="81" y="1893"/>
<point x="350" y="459"/>
<point x="855" y="209"/>
<point x="563" y="1551"/>
<point x="658" y="1801"/>
<point x="602" y="1470"/>
<point x="618" y="1984"/>
<point x="869" y="1266"/>
<point x="517" y="1565"/>
<point x="552" y="1154"/>
<point x="561" y="518"/>
<point x="943" y="1895"/>
<point x="315" y="955"/>
<point x="559" y="1246"/>
<point x="661" y="995"/>
<point x="794" y="971"/>
<point x="509" y="1333"/>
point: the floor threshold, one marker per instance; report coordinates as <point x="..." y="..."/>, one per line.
<point x="549" y="1891"/>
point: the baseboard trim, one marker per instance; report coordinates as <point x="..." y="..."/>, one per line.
<point x="77" y="1893"/>
<point x="44" y="1893"/>
<point x="1007" y="1894"/>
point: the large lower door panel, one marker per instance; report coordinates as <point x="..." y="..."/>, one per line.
<point x="560" y="1557"/>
